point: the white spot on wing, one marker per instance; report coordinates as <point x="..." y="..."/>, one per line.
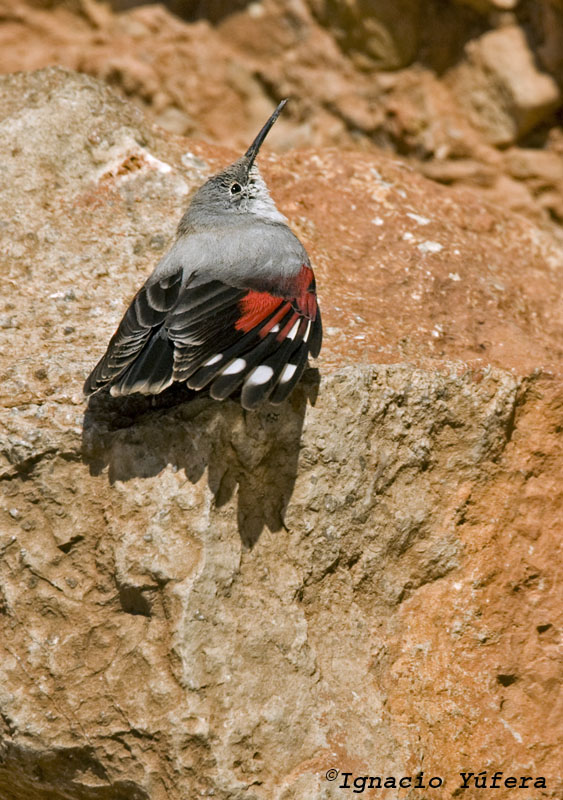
<point x="307" y="332"/>
<point x="260" y="375"/>
<point x="288" y="372"/>
<point x="213" y="360"/>
<point x="235" y="366"/>
<point x="293" y="331"/>
<point x="275" y="329"/>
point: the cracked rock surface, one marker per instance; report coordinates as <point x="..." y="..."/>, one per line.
<point x="469" y="91"/>
<point x="199" y="601"/>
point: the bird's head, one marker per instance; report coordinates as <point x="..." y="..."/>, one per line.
<point x="238" y="189"/>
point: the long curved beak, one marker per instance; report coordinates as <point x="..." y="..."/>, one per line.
<point x="252" y="151"/>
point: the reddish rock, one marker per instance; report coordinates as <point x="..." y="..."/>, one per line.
<point x="198" y="601"/>
<point x="507" y="94"/>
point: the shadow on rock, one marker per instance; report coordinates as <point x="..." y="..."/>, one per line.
<point x="252" y="452"/>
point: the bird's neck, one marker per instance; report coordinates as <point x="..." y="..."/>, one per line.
<point x="260" y="202"/>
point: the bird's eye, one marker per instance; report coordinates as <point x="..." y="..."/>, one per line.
<point x="236" y="188"/>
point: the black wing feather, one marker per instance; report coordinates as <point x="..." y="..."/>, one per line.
<point x="145" y="315"/>
<point x="193" y="335"/>
<point x="283" y="389"/>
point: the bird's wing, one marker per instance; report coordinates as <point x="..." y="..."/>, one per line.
<point x="216" y="335"/>
<point x="142" y="320"/>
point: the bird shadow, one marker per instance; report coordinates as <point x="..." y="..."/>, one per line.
<point x="254" y="454"/>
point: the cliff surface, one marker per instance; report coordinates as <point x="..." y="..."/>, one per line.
<point x="469" y="91"/>
<point x="199" y="601"/>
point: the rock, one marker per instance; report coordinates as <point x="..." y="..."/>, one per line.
<point x="550" y="52"/>
<point x="462" y="169"/>
<point x="376" y="34"/>
<point x="507" y="93"/>
<point x="369" y="74"/>
<point x="488" y="6"/>
<point x="553" y="203"/>
<point x="198" y="601"/>
<point x="541" y="173"/>
<point x="525" y="163"/>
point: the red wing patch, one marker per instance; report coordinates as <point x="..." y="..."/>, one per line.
<point x="255" y="307"/>
<point x="306" y="295"/>
<point x="280" y="313"/>
<point x="287" y="327"/>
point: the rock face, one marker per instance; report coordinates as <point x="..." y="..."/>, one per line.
<point x="509" y="95"/>
<point x="199" y="601"/>
<point x="459" y="87"/>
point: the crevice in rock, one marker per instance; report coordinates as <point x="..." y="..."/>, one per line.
<point x="506" y="680"/>
<point x="136" y="600"/>
<point x="68" y="546"/>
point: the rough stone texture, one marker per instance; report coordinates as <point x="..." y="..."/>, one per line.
<point x="507" y="92"/>
<point x="485" y="6"/>
<point x="438" y="82"/>
<point x="551" y="51"/>
<point x="376" y="34"/>
<point x="198" y="601"/>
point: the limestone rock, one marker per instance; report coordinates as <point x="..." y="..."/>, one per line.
<point x="410" y="77"/>
<point x="376" y="34"/>
<point x="507" y="92"/>
<point x="198" y="601"/>
<point x="487" y="6"/>
<point x="551" y="50"/>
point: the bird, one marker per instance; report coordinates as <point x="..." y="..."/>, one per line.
<point x="231" y="306"/>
